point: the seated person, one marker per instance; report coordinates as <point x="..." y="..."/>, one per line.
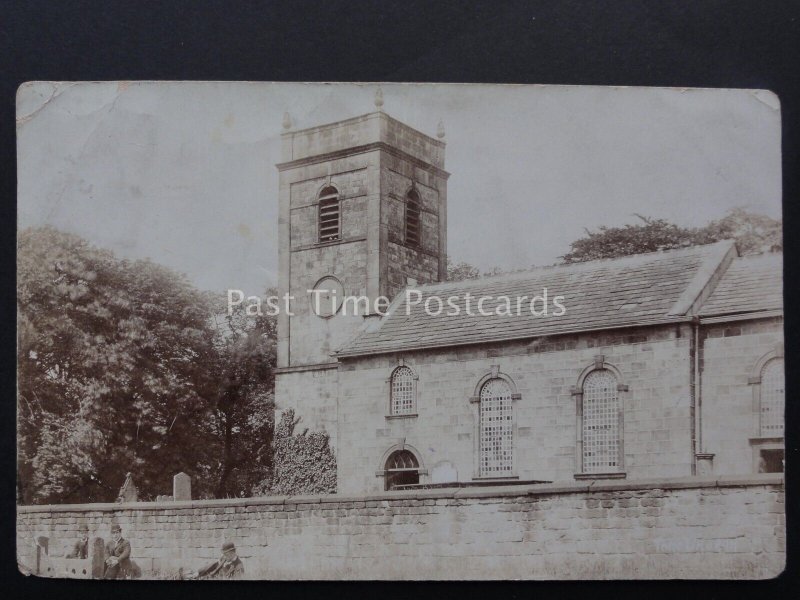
<point x="228" y="566"/>
<point x="118" y="563"/>
<point x="81" y="548"/>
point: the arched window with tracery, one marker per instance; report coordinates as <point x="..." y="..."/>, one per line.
<point x="412" y="218"/>
<point x="403" y="399"/>
<point x="329" y="225"/>
<point x="772" y="398"/>
<point x="496" y="457"/>
<point x="402" y="468"/>
<point x="600" y="423"/>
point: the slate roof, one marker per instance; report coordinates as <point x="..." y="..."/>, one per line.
<point x="751" y="284"/>
<point x="640" y="289"/>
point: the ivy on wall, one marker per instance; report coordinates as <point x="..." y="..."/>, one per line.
<point x="304" y="463"/>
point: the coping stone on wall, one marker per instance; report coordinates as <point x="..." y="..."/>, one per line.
<point x="541" y="489"/>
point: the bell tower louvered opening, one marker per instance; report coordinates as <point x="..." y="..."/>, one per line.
<point x="412" y="219"/>
<point x="329" y="215"/>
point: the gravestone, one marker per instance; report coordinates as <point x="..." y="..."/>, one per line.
<point x="182" y="487"/>
<point x="128" y="491"/>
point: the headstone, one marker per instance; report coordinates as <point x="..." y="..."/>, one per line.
<point x="128" y="491"/>
<point x="182" y="487"/>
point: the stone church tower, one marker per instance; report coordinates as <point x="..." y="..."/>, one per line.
<point x="363" y="213"/>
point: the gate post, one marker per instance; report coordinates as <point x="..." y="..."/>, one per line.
<point x="97" y="555"/>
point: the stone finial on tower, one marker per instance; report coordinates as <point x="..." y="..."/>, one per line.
<point x="379" y="98"/>
<point x="440" y="129"/>
<point x="287" y="121"/>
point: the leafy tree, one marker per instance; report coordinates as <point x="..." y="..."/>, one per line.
<point x="463" y="270"/>
<point x="242" y="384"/>
<point x="123" y="367"/>
<point x="107" y="375"/>
<point x="648" y="236"/>
<point x="753" y="234"/>
<point x="304" y="462"/>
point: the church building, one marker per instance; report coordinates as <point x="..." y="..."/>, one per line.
<point x="665" y="364"/>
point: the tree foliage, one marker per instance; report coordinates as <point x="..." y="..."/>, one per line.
<point x="242" y="388"/>
<point x="752" y="232"/>
<point x="304" y="462"/>
<point x="462" y="270"/>
<point x="123" y="367"/>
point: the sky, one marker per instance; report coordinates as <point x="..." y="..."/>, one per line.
<point x="184" y="172"/>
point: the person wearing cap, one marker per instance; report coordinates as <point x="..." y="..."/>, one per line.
<point x="228" y="566"/>
<point x="118" y="563"/>
<point x="81" y="548"/>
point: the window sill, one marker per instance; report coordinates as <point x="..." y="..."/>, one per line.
<point x="495" y="478"/>
<point x="313" y="245"/>
<point x="585" y="476"/>
<point x="321" y="243"/>
<point x="420" y="472"/>
<point x="408" y="416"/>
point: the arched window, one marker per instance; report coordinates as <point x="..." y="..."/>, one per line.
<point x="496" y="429"/>
<point x="328" y="214"/>
<point x="772" y="398"/>
<point x="403" y="393"/>
<point x="768" y="409"/>
<point x="402" y="468"/>
<point x="600" y="423"/>
<point x="412" y="218"/>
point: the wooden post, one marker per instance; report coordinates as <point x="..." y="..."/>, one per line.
<point x="97" y="556"/>
<point x="42" y="543"/>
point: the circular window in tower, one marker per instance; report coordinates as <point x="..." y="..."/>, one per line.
<point x="326" y="297"/>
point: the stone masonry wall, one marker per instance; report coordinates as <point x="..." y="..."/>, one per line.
<point x="427" y="262"/>
<point x="653" y="362"/>
<point x="306" y="339"/>
<point x="372" y="161"/>
<point x="681" y="528"/>
<point x="730" y="353"/>
<point x="357" y="131"/>
<point x="312" y="394"/>
<point x="310" y="338"/>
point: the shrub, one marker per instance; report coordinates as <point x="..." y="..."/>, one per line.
<point x="304" y="463"/>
